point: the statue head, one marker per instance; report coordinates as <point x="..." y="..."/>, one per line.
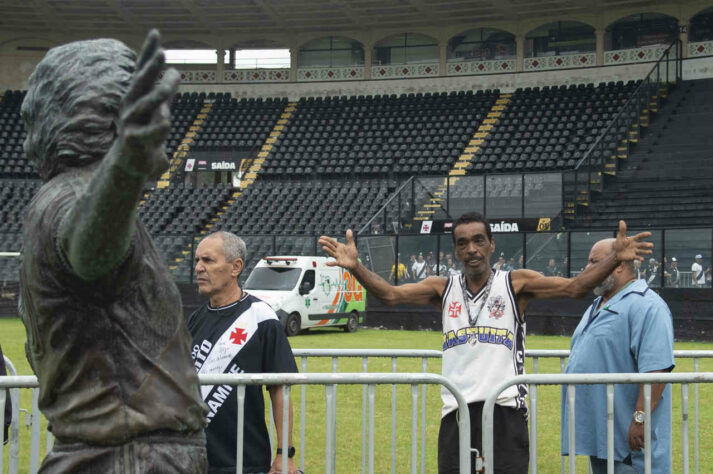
<point x="72" y="104"/>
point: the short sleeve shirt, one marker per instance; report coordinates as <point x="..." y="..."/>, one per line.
<point x="632" y="332"/>
<point x="698" y="275"/>
<point x="245" y="336"/>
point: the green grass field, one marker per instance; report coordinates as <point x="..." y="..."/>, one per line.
<point x="349" y="411"/>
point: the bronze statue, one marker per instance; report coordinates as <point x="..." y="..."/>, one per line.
<point x="105" y="329"/>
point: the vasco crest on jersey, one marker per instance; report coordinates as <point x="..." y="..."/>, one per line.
<point x="496" y="307"/>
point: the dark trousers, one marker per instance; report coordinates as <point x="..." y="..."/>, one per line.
<point x="512" y="443"/>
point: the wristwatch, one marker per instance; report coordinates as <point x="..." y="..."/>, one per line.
<point x="290" y="451"/>
<point x="639" y="417"/>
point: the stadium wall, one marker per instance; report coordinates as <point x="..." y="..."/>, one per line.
<point x="18" y="65"/>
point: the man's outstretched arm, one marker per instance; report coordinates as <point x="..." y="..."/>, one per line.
<point x="97" y="231"/>
<point x="529" y="284"/>
<point x="427" y="291"/>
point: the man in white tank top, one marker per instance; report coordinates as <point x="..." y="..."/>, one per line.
<point x="484" y="328"/>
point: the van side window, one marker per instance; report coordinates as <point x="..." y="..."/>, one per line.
<point x="308" y="278"/>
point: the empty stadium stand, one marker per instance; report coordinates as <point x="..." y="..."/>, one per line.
<point x="551" y="128"/>
<point x="184" y="110"/>
<point x="371" y="136"/>
<point x="12" y="133"/>
<point x="330" y="163"/>
<point x="667" y="180"/>
<point x="301" y="208"/>
<point x="237" y="124"/>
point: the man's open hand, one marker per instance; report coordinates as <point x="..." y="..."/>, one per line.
<point x="631" y="248"/>
<point x="276" y="467"/>
<point x="144" y="118"/>
<point x="346" y="255"/>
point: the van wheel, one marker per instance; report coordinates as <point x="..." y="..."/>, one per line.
<point x="292" y="327"/>
<point x="352" y="322"/>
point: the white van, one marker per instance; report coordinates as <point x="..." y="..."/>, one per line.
<point x="306" y="293"/>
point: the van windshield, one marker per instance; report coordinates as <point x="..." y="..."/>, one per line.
<point x="273" y="278"/>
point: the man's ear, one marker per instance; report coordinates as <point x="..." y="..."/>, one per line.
<point x="238" y="266"/>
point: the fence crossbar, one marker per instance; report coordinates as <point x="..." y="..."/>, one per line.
<point x="581" y="379"/>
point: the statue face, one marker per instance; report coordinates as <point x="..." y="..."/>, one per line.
<point x="214" y="274"/>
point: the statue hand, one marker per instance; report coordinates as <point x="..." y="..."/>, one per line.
<point x="144" y="118"/>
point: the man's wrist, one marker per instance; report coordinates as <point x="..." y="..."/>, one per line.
<point x="639" y="417"/>
<point x="290" y="452"/>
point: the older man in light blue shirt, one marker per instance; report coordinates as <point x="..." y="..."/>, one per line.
<point x="627" y="329"/>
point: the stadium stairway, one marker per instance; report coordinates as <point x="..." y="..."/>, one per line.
<point x="667" y="180"/>
<point x="182" y="151"/>
<point x="438" y="197"/>
<point x="617" y="145"/>
<point x="275" y="134"/>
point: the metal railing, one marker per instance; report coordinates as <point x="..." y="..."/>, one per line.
<point x="578" y="182"/>
<point x="303" y="355"/>
<point x="365" y="354"/>
<point x="330" y="381"/>
<point x="571" y="380"/>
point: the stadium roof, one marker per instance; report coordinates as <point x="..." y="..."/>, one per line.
<point x="269" y="18"/>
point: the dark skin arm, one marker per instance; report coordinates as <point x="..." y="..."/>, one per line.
<point x="97" y="231"/>
<point x="427" y="291"/>
<point x="529" y="284"/>
<point x="636" y="431"/>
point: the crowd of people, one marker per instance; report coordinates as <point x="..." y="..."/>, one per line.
<point x="419" y="268"/>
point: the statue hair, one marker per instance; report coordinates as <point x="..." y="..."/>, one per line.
<point x="72" y="104"/>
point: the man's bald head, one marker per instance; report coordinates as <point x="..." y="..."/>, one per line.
<point x="621" y="274"/>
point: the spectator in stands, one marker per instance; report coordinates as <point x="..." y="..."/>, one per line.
<point x="551" y="269"/>
<point x="117" y="384"/>
<point x="235" y="333"/>
<point x="499" y="264"/>
<point x="511" y="264"/>
<point x="431" y="267"/>
<point x="451" y="266"/>
<point x="672" y="275"/>
<point x="483" y="301"/>
<point x="8" y="403"/>
<point x="652" y="273"/>
<point x="402" y="275"/>
<point x="628" y="328"/>
<point x="520" y="263"/>
<point x="638" y="272"/>
<point x="565" y="266"/>
<point x="411" y="262"/>
<point x="419" y="270"/>
<point x="699" y="276"/>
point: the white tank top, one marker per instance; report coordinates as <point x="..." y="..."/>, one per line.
<point x="478" y="358"/>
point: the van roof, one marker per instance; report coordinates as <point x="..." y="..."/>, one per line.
<point x="293" y="260"/>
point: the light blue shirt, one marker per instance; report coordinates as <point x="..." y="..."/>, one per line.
<point x="632" y="332"/>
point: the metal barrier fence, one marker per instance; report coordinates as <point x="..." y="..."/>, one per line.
<point x="571" y="380"/>
<point x="330" y="381"/>
<point x="365" y="354"/>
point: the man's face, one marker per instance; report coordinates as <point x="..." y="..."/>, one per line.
<point x="473" y="248"/>
<point x="214" y="274"/>
<point x="599" y="251"/>
<point x="552" y="262"/>
<point x="420" y="258"/>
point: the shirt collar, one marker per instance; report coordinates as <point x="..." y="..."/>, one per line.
<point x="638" y="286"/>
